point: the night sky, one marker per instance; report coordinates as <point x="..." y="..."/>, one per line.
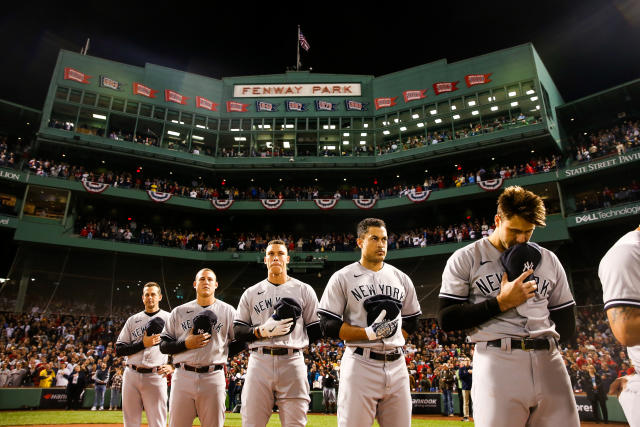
<point x="587" y="46"/>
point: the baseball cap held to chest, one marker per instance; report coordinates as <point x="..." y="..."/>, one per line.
<point x="520" y="258"/>
<point x="203" y="322"/>
<point x="155" y="326"/>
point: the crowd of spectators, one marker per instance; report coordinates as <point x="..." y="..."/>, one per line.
<point x="606" y="142"/>
<point x="130" y="232"/>
<point x="609" y="196"/>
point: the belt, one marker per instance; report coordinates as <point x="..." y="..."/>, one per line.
<point x="386" y="357"/>
<point x="276" y="351"/>
<point x="523" y="344"/>
<point x="200" y="369"/>
<point x="142" y="370"/>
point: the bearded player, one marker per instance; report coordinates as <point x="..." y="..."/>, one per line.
<point x="374" y="381"/>
<point x="519" y="377"/>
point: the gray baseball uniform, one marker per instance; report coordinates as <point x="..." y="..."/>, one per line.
<point x="143" y="390"/>
<point x="199" y="394"/>
<point x="371" y="388"/>
<point x="279" y="378"/>
<point x="514" y="387"/>
<point x="620" y="276"/>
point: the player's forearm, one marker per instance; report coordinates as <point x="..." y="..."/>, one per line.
<point x="168" y="346"/>
<point x="625" y="324"/>
<point x="565" y="323"/>
<point x="123" y="349"/>
<point x="244" y="333"/>
<point x="352" y="333"/>
<point x="453" y="315"/>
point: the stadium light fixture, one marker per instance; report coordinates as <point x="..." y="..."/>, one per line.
<point x="396" y="120"/>
<point x="530" y="92"/>
<point x="289" y="126"/>
<point x="198" y="138"/>
<point x="363" y="142"/>
<point x="438" y="120"/>
<point x="537" y="107"/>
<point x="493" y="158"/>
<point x="235" y="130"/>
<point x="366" y="125"/>
<point x="494" y="108"/>
<point x="172" y="133"/>
<point x="512" y="93"/>
<point x="475" y="112"/>
<point x="433" y="112"/>
<point x="403" y="128"/>
<point x="456" y="116"/>
<point x="286" y="144"/>
<point x="363" y="134"/>
<point x="200" y="126"/>
<point x="472" y="103"/>
<point x="386" y="132"/>
<point x="514" y="103"/>
<point x="453" y="107"/>
<point x="534" y="98"/>
<point x="99" y="116"/>
<point x="345" y="134"/>
<point x="269" y="144"/>
<point x="240" y="138"/>
<point x="345" y="142"/>
<point x="415" y="116"/>
<point x="420" y="125"/>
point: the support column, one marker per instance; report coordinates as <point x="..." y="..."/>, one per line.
<point x="22" y="291"/>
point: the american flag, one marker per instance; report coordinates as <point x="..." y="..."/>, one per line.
<point x="303" y="41"/>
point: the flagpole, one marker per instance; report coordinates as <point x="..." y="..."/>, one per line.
<point x="298" y="44"/>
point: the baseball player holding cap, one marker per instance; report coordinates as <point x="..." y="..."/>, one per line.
<point x="620" y="276"/>
<point x="198" y="334"/>
<point x="372" y="306"/>
<point x="277" y="317"/>
<point x="514" y="299"/>
<point x="143" y="384"/>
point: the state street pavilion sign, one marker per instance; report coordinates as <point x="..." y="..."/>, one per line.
<point x="314" y="89"/>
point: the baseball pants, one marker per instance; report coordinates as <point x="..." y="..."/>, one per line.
<point x="144" y="391"/>
<point x="630" y="401"/>
<point x="197" y="395"/>
<point x="513" y="388"/>
<point x="279" y="379"/>
<point x="373" y="389"/>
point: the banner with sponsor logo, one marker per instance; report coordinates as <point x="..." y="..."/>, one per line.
<point x="140" y="89"/>
<point x="94" y="187"/>
<point x="272" y="204"/>
<point x="413" y="95"/>
<point x="619" y="211"/>
<point x="596" y="165"/>
<point x="325" y="106"/>
<point x="159" y="197"/>
<point x="173" y="96"/>
<point x="8" y="221"/>
<point x="585" y="409"/>
<point x="365" y="203"/>
<point x="221" y="205"/>
<point x="444" y="87"/>
<point x="9" y="174"/>
<point x="384" y="102"/>
<point x="75" y="75"/>
<point x="477" y="79"/>
<point x="352" y="105"/>
<point x="53" y="398"/>
<point x="236" y="107"/>
<point x="299" y="89"/>
<point x="326" y="204"/>
<point x="206" y="104"/>
<point x="426" y="403"/>
<point x="295" y="106"/>
<point x="266" y="106"/>
<point x="110" y="83"/>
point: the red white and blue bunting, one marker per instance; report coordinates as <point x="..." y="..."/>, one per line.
<point x="94" y="187"/>
<point x="365" y="203"/>
<point x="490" y="184"/>
<point x="221" y="205"/>
<point x="418" y="196"/>
<point x="159" y="197"/>
<point x="326" y="204"/>
<point x="272" y="204"/>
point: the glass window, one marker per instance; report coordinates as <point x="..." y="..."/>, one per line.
<point x="471" y="101"/>
<point x="104" y="101"/>
<point x="364" y="145"/>
<point x="431" y="110"/>
<point x="485" y="98"/>
<point x="62" y="93"/>
<point x="145" y="110"/>
<point x="236" y="144"/>
<point x="118" y="104"/>
<point x="513" y="91"/>
<point x="92" y="122"/>
<point x="312" y="123"/>
<point x="307" y="143"/>
<point x="466" y="123"/>
<point x="234" y="125"/>
<point x="301" y="123"/>
<point x="200" y="122"/>
<point x="224" y="125"/>
<point x="367" y="123"/>
<point x="345" y="123"/>
<point x="528" y="88"/>
<point x="494" y="117"/>
<point x="89" y="98"/>
<point x="45" y="202"/>
<point x="456" y="105"/>
<point x="203" y="142"/>
<point x="63" y="116"/>
<point x="173" y="116"/>
<point x="330" y="144"/>
<point x="158" y="113"/>
<point x="121" y="128"/>
<point x="75" y="95"/>
<point x="176" y="137"/>
<point x="405" y="117"/>
<point x="186" y="118"/>
<point x="212" y="124"/>
<point x="148" y="132"/>
<point x="439" y="130"/>
<point x="132" y="107"/>
<point x="245" y="124"/>
<point x="279" y="124"/>
<point x="498" y="95"/>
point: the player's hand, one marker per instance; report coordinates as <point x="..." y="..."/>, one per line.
<point x="165" y="370"/>
<point x="150" y="340"/>
<point x="197" y="341"/>
<point x="380" y="328"/>
<point x="512" y="294"/>
<point x="618" y="386"/>
<point x="275" y="328"/>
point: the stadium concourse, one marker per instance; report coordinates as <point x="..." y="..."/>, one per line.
<point x="130" y="174"/>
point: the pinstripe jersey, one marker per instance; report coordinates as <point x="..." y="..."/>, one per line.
<point x="180" y="323"/>
<point x="256" y="306"/>
<point x="474" y="273"/>
<point x="132" y="332"/>
<point x="349" y="287"/>
<point x="620" y="276"/>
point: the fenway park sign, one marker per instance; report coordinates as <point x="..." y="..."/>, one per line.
<point x="313" y="89"/>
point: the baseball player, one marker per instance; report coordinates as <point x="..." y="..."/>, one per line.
<point x="514" y="318"/>
<point x="144" y="384"/>
<point x="620" y="276"/>
<point x="276" y="372"/>
<point x="374" y="381"/>
<point x="198" y="335"/>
